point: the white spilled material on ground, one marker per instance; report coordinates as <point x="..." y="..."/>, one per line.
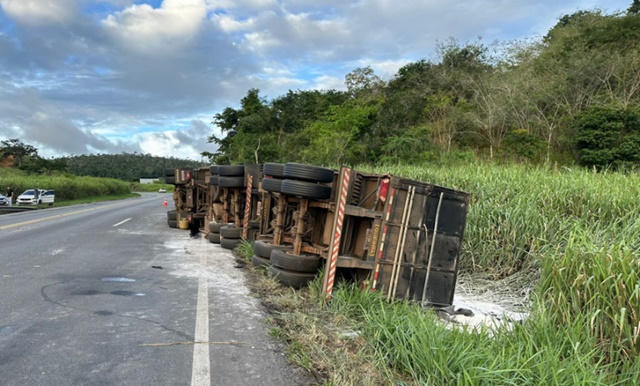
<point x="493" y="303"/>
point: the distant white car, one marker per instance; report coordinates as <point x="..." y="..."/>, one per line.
<point x="162" y="190"/>
<point x="36" y="197"/>
<point x="3" y="200"/>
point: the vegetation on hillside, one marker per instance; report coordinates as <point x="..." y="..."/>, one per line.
<point x="124" y="166"/>
<point x="572" y="96"/>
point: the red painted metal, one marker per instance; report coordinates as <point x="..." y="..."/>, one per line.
<point x="335" y="247"/>
<point x="247" y="208"/>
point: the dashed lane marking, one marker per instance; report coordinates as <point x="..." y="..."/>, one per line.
<point x="122" y="222"/>
<point x="20" y="224"/>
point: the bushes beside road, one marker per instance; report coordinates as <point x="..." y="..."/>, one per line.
<point x="67" y="187"/>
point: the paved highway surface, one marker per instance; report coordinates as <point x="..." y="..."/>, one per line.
<point x="108" y="294"/>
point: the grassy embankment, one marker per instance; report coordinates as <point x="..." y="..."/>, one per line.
<point x="151" y="188"/>
<point x="69" y="189"/>
<point x="574" y="233"/>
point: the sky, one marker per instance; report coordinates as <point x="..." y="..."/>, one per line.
<point x="147" y="76"/>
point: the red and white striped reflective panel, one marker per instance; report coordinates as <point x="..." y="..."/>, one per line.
<point x="335" y="248"/>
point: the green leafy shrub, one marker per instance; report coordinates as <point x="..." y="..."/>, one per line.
<point x="607" y="137"/>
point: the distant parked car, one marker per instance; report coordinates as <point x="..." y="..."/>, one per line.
<point x="162" y="190"/>
<point x="36" y="197"/>
<point x="3" y="200"/>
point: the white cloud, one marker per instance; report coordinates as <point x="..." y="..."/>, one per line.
<point x="385" y="69"/>
<point x="245" y="5"/>
<point x="150" y="77"/>
<point x="261" y="41"/>
<point x="187" y="142"/>
<point x="328" y="83"/>
<point x="36" y="12"/>
<point x="147" y="29"/>
<point x="229" y="24"/>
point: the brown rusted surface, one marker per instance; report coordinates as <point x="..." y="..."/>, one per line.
<point x="300" y="225"/>
<point x="225" y="205"/>
<point x="279" y="225"/>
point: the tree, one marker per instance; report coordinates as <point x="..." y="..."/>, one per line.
<point x="607" y="137"/>
<point x="262" y="131"/>
<point x="336" y="138"/>
<point x="535" y="97"/>
<point x="442" y="115"/>
<point x="634" y="9"/>
<point x="252" y="121"/>
<point x="491" y="111"/>
<point x="362" y="81"/>
<point x="18" y="149"/>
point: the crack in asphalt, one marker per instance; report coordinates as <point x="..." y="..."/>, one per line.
<point x="158" y="324"/>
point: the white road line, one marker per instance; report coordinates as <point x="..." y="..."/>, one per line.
<point x="201" y="370"/>
<point x="122" y="222"/>
<point x="54" y="217"/>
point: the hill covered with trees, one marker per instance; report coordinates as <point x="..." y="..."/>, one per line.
<point x="124" y="166"/>
<point x="572" y="96"/>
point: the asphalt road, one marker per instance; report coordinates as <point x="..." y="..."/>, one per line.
<point x="108" y="294"/>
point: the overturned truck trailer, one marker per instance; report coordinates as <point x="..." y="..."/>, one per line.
<point x="391" y="234"/>
<point x="405" y="234"/>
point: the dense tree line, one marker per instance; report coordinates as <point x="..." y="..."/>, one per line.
<point x="571" y="96"/>
<point x="124" y="166"/>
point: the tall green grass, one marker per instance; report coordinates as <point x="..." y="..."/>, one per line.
<point x="519" y="214"/>
<point x="580" y="230"/>
<point x="419" y="349"/>
<point x="67" y="187"/>
<point x="602" y="284"/>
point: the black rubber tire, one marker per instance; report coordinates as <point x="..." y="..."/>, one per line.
<point x="172" y="215"/>
<point x="229" y="243"/>
<point x="272" y="184"/>
<point x="214" y="238"/>
<point x="289" y="278"/>
<point x="305" y="189"/>
<point x="307" y="172"/>
<point x="252" y="234"/>
<point x="231" y="182"/>
<point x="213" y="169"/>
<point x="172" y="223"/>
<point x="213" y="180"/>
<point x="210" y="227"/>
<point x="170" y="180"/>
<point x="273" y="170"/>
<point x="170" y="172"/>
<point x="263" y="248"/>
<point x="215" y="227"/>
<point x="231" y="170"/>
<point x="260" y="262"/>
<point x="296" y="263"/>
<point x="230" y="232"/>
